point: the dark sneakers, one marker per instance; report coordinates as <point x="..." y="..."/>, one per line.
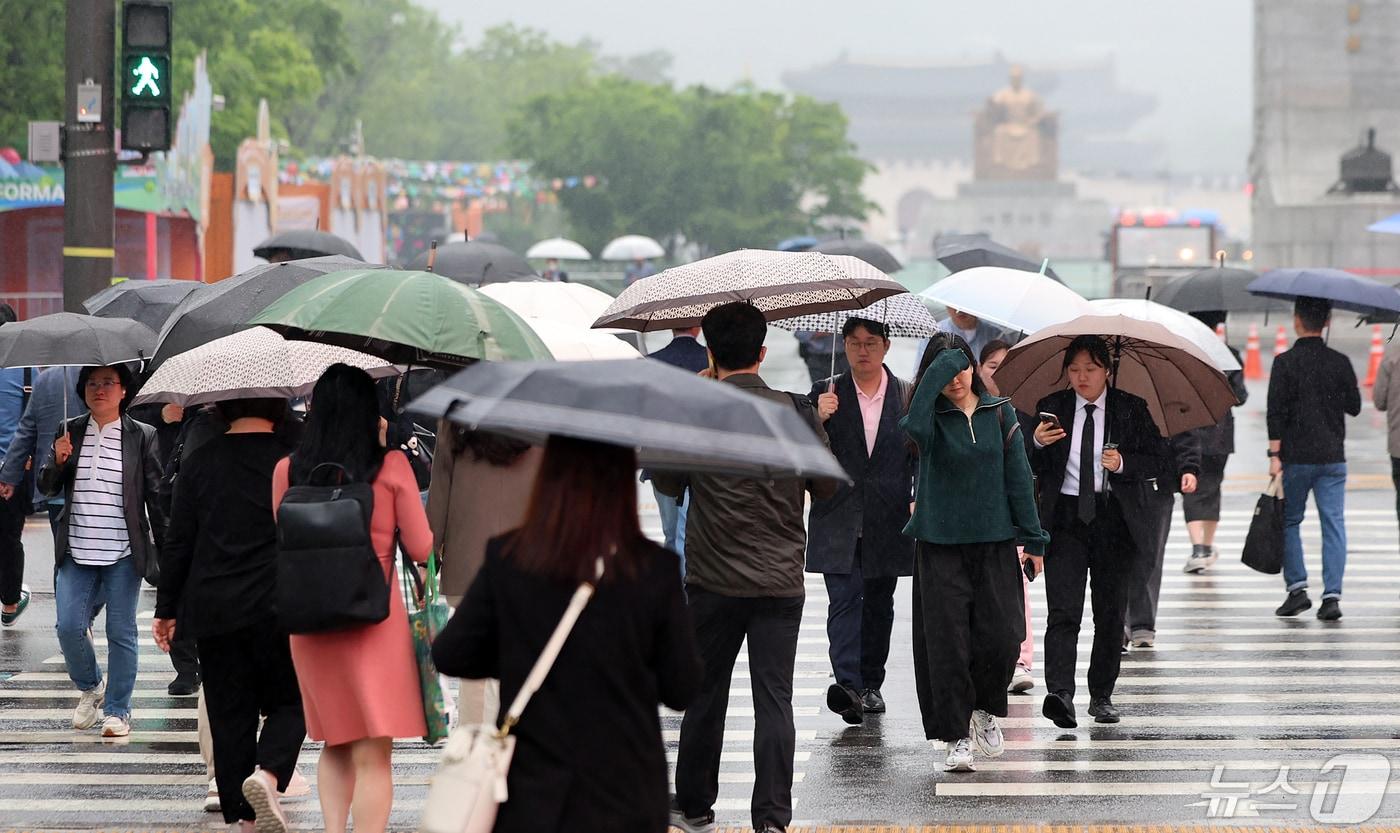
<point x="8" y="619"/>
<point x="183" y="685"/>
<point x="1296" y="603"/>
<point x="1330" y="611"/>
<point x="1103" y="710"/>
<point x="872" y="701"/>
<point x="847" y="703"/>
<point x="1060" y="709"/>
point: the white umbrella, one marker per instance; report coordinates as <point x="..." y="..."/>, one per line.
<point x="569" y="343"/>
<point x="1010" y="298"/>
<point x="1177" y="321"/>
<point x="632" y="247"/>
<point x="572" y="303"/>
<point x="558" y="248"/>
<point x="903" y="315"/>
<point x="250" y="364"/>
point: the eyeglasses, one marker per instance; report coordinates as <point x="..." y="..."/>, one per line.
<point x="102" y="385"/>
<point x="864" y="346"/>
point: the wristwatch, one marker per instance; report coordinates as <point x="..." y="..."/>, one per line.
<point x="1273" y="453"/>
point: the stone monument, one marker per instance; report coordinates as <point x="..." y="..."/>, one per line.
<point x="1015" y="137"/>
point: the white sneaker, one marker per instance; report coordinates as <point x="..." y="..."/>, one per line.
<point x="85" y="715"/>
<point x="116" y="727"/>
<point x="959" y="756"/>
<point x="1021" y="680"/>
<point x="211" y="798"/>
<point x="986" y="734"/>
<point x="260" y="789"/>
<point x="297" y="787"/>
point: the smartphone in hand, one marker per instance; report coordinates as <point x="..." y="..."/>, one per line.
<point x="1050" y="418"/>
<point x="1028" y="567"/>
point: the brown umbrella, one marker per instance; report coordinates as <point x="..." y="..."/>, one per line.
<point x="1182" y="388"/>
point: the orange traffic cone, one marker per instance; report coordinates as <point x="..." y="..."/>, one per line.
<point x="1377" y="353"/>
<point x="1280" y="342"/>
<point x="1220" y="331"/>
<point x="1253" y="364"/>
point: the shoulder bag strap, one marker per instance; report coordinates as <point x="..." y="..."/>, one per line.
<point x="550" y="653"/>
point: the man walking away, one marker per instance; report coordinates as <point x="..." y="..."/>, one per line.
<point x="14" y="502"/>
<point x="856" y="539"/>
<point x="1312" y="387"/>
<point x="744" y="546"/>
<point x="686" y="353"/>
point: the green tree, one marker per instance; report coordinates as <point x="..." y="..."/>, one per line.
<point x="31" y="67"/>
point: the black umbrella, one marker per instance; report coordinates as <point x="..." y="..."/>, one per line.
<point x="149" y="302"/>
<point x="872" y="253"/>
<point x="674" y="419"/>
<point x="1342" y="289"/>
<point x="967" y="251"/>
<point x="306" y="243"/>
<point x="475" y="262"/>
<point x="1217" y="288"/>
<point x="219" y="309"/>
<point x="68" y="338"/>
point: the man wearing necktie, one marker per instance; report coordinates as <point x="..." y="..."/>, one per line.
<point x="1112" y="444"/>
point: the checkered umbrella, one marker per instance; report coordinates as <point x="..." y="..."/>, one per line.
<point x="780" y="284"/>
<point x="250" y="364"/>
<point x="903" y="315"/>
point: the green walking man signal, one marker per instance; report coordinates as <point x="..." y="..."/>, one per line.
<point x="145" y="80"/>
<point x="147" y="75"/>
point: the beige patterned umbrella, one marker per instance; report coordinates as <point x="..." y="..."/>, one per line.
<point x="780" y="284"/>
<point x="250" y="364"/>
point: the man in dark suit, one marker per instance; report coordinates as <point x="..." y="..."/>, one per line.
<point x="855" y="538"/>
<point x="1102" y="441"/>
<point x="685" y="352"/>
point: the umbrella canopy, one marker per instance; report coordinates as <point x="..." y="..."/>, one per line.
<point x="1345" y="290"/>
<point x="1390" y="225"/>
<point x="1217" y="288"/>
<point x="674" y="419"/>
<point x="780" y="284"/>
<point x="1010" y="298"/>
<point x="476" y="262"/>
<point x="571" y="303"/>
<point x="633" y="247"/>
<point x="903" y="315"/>
<point x="403" y="317"/>
<point x="968" y="251"/>
<point x="219" y="309"/>
<point x="1182" y="388"/>
<point x="148" y="302"/>
<point x="559" y="249"/>
<point x="68" y="338"/>
<point x="250" y="364"/>
<point x="1175" y="320"/>
<point x="868" y="251"/>
<point x="571" y="343"/>
<point x="307" y="243"/>
<point x="798" y="244"/>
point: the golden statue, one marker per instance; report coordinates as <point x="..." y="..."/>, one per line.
<point x="1016" y="137"/>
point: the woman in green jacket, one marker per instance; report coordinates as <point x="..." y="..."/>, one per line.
<point x="974" y="505"/>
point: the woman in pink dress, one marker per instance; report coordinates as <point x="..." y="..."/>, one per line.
<point x="359" y="686"/>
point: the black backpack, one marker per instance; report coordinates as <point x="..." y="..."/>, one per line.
<point x="328" y="574"/>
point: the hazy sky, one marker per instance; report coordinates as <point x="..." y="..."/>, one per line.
<point x="1193" y="54"/>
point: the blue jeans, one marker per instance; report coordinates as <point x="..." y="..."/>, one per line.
<point x="1328" y="484"/>
<point x="78" y="591"/>
<point x="673" y="523"/>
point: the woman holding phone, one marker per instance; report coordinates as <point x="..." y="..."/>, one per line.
<point x="974" y="505"/>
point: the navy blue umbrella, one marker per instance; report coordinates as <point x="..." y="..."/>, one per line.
<point x="1345" y="290"/>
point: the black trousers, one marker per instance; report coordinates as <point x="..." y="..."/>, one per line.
<point x="1101" y="554"/>
<point x="248" y="673"/>
<point x="1146" y="588"/>
<point x="722" y="623"/>
<point x="859" y="619"/>
<point x="184" y="657"/>
<point x="969" y="621"/>
<point x="12" y="515"/>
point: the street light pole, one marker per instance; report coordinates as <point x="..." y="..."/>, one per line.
<point x="89" y="162"/>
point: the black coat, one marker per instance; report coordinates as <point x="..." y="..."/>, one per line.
<point x="588" y="753"/>
<point x="684" y="352"/>
<point x="875" y="507"/>
<point x="141" y="471"/>
<point x="1128" y="423"/>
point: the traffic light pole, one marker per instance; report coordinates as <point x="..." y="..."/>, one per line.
<point x="89" y="162"/>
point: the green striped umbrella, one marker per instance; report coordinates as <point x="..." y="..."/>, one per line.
<point x="404" y="317"/>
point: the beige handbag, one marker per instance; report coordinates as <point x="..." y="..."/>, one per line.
<point x="470" y="784"/>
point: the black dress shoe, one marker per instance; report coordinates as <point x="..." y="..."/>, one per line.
<point x="1060" y="709"/>
<point x="845" y="702"/>
<point x="1296" y="603"/>
<point x="872" y="701"/>
<point x="183" y="686"/>
<point x="1103" y="710"/>
<point x="1330" y="611"/>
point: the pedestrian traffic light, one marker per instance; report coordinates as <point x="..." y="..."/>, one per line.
<point x="145" y="75"/>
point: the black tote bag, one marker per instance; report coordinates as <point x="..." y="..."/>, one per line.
<point x="1263" y="547"/>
